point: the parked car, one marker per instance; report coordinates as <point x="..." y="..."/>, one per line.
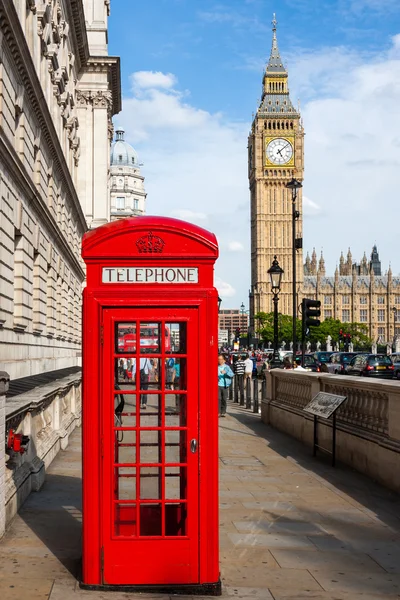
<point x="371" y="365"/>
<point x="396" y="363"/>
<point x="310" y="364"/>
<point x="338" y="362"/>
<point x="322" y="357"/>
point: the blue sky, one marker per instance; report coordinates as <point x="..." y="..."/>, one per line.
<point x="191" y="76"/>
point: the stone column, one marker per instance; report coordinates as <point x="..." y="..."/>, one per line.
<point x="4" y="381"/>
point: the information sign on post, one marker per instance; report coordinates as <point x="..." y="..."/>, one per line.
<point x="325" y="405"/>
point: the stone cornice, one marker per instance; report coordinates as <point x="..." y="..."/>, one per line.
<point x="76" y="15"/>
<point x="18" y="171"/>
<point x="113" y="66"/>
<point x="15" y="39"/>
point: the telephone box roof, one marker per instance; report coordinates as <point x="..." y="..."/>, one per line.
<point x="180" y="238"/>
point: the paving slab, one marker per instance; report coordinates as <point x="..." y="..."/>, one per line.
<point x="291" y="527"/>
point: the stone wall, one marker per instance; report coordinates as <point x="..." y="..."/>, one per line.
<point x="47" y="414"/>
<point x="368" y="423"/>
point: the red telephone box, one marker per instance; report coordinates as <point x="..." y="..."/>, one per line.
<point x="150" y="409"/>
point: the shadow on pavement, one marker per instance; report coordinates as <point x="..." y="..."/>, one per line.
<point x="54" y="515"/>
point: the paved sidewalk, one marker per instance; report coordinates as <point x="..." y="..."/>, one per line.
<point x="291" y="526"/>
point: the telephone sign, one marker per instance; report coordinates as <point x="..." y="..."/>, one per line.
<point x="150" y="459"/>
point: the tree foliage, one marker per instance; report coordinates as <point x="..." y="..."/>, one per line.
<point x="329" y="327"/>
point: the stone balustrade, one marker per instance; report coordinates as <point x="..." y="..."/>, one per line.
<point x="47" y="414"/>
<point x="368" y="422"/>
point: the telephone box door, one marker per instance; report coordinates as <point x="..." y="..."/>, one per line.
<point x="150" y="454"/>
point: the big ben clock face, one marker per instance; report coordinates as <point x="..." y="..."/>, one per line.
<point x="279" y="151"/>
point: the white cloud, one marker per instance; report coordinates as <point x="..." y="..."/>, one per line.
<point x="152" y="79"/>
<point x="189" y="215"/>
<point x="310" y="208"/>
<point x="352" y="147"/>
<point x="225" y="289"/>
<point x="196" y="161"/>
<point x="195" y="164"/>
<point x="235" y="247"/>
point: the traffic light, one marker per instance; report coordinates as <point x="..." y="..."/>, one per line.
<point x="340" y="334"/>
<point x="310" y="313"/>
<point x="237" y="333"/>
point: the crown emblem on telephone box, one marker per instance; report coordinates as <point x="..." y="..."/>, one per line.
<point x="150" y="244"/>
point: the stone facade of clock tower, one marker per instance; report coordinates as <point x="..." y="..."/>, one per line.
<point x="276" y="155"/>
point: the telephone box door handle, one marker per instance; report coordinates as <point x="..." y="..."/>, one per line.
<point x="193" y="446"/>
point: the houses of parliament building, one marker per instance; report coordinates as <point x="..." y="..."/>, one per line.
<point x="358" y="291"/>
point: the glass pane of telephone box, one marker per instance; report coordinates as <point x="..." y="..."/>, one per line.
<point x="151" y="415"/>
<point x="175" y="483"/>
<point x="125" y="447"/>
<point x="175" y="446"/>
<point x="175" y="338"/>
<point x="175" y="410"/>
<point x="175" y="519"/>
<point x="150" y="446"/>
<point x="125" y="337"/>
<point x="150" y="520"/>
<point x="125" y="521"/>
<point x="150" y="334"/>
<point x="124" y="373"/>
<point x="124" y="410"/>
<point x="125" y="483"/>
<point x="149" y="373"/>
<point x="150" y="483"/>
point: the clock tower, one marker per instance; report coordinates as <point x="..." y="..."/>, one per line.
<point x="275" y="156"/>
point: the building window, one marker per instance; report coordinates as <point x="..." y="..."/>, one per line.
<point x="327" y="299"/>
<point x="136" y="204"/>
<point x="345" y="299"/>
<point x="120" y="182"/>
<point x="397" y="299"/>
<point x="397" y="331"/>
<point x="133" y="160"/>
<point x="381" y="299"/>
<point x="120" y="157"/>
<point x="120" y="203"/>
<point x="381" y="331"/>
<point x="345" y="316"/>
<point x="328" y="314"/>
<point x="363" y="300"/>
<point x="363" y="316"/>
<point x="381" y="315"/>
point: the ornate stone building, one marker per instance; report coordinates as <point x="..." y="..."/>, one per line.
<point x="357" y="292"/>
<point x="127" y="193"/>
<point x="58" y="92"/>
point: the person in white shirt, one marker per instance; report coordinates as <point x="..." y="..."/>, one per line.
<point x="248" y="370"/>
<point x="145" y="367"/>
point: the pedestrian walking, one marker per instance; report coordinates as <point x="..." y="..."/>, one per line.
<point x="248" y="369"/>
<point x="225" y="376"/>
<point x="240" y="366"/>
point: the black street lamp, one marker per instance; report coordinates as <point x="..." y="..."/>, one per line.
<point x="394" y="309"/>
<point x="245" y="312"/>
<point x="275" y="272"/>
<point x="294" y="185"/>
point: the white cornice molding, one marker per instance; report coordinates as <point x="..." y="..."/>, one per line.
<point x="15" y="39"/>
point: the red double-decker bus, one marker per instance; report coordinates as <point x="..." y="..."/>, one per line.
<point x="149" y="338"/>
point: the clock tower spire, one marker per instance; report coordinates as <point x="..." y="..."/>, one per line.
<point x="276" y="155"/>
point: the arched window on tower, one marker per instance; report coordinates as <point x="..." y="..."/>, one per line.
<point x="274" y="125"/>
<point x="269" y="124"/>
<point x="278" y="125"/>
<point x="291" y="124"/>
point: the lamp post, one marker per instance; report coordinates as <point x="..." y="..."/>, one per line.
<point x="275" y="272"/>
<point x="394" y="309"/>
<point x="245" y="312"/>
<point x="294" y="185"/>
